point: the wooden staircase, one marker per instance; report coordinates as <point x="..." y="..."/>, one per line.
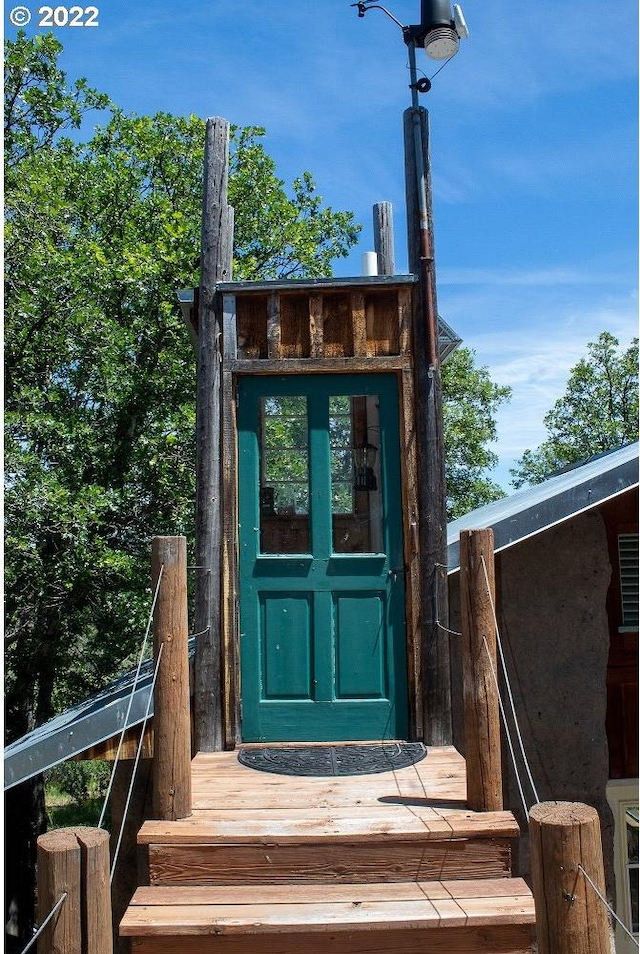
<point x="271" y="864"/>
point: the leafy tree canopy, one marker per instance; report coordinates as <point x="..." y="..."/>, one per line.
<point x="99" y="371"/>
<point x="470" y="401"/>
<point x="597" y="413"/>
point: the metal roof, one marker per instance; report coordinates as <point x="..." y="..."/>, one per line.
<point x="533" y="509"/>
<point x="97" y="719"/>
<point x="513" y="519"/>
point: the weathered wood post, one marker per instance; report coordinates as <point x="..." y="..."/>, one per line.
<point x="383" y="237"/>
<point x="570" y="917"/>
<point x="75" y="862"/>
<point x="171" y="719"/>
<point x="481" y="700"/>
<point x="434" y="595"/>
<point x="216" y="263"/>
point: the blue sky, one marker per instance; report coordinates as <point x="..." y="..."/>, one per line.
<point x="533" y="145"/>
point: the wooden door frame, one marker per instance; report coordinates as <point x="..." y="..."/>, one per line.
<point x="401" y="367"/>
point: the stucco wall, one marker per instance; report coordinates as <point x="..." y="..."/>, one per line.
<point x="552" y="592"/>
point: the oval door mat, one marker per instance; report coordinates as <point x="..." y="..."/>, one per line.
<point x="334" y="759"/>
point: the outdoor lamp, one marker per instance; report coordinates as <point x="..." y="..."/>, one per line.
<point x="364" y="462"/>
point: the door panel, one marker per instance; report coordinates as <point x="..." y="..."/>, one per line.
<point x="286" y="646"/>
<point x="321" y="584"/>
<point x="360" y="646"/>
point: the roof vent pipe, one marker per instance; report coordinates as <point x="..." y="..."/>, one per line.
<point x="369" y="263"/>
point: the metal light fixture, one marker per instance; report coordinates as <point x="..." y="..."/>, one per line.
<point x="439" y="32"/>
<point x="364" y="462"/>
<point x="442" y="28"/>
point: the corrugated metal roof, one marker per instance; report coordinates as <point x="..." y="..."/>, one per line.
<point x="532" y="509"/>
<point x="521" y="515"/>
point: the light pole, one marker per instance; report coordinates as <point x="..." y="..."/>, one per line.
<point x="438" y="33"/>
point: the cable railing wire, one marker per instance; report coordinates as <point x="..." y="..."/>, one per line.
<point x="135" y="765"/>
<point x="125" y="724"/>
<point x="54" y="910"/>
<point x="608" y="906"/>
<point x="506" y="727"/>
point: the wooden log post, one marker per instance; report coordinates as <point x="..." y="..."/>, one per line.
<point x="171" y="772"/>
<point x="75" y="862"/>
<point x="481" y="699"/>
<point x="216" y="264"/>
<point x="383" y="237"/>
<point x="434" y="594"/>
<point x="570" y="917"/>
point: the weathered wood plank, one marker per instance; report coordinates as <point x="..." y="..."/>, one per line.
<point x="316" y="325"/>
<point x="229" y="328"/>
<point x="337" y="862"/>
<point x="274" y="327"/>
<point x="405" y="311"/>
<point x="282" y="827"/>
<point x="488" y="888"/>
<point x="508" y="939"/>
<point x="310" y="365"/>
<point x="359" y="324"/>
<point x="248" y="919"/>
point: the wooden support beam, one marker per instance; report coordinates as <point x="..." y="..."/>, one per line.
<point x="481" y="701"/>
<point x="59" y="874"/>
<point x="316" y="326"/>
<point x="359" y="324"/>
<point x="75" y="862"/>
<point x="217" y="254"/>
<point x="172" y="716"/>
<point x="383" y="237"/>
<point x="96" y="890"/>
<point x="565" y="841"/>
<point x="274" y="327"/>
<point x="438" y="729"/>
<point x="404" y="320"/>
<point x="230" y="644"/>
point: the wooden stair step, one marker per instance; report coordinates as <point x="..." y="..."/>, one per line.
<point x="294" y="826"/>
<point x="450" y="917"/>
<point x="315" y="846"/>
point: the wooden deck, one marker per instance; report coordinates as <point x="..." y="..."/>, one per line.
<point x="366" y="863"/>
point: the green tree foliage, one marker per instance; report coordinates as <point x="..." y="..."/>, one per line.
<point x="597" y="413"/>
<point x="99" y="370"/>
<point x="470" y="402"/>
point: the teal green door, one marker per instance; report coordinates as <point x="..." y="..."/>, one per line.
<point x="321" y="583"/>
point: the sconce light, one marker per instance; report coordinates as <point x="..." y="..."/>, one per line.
<point x="364" y="462"/>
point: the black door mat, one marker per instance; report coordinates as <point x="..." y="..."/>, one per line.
<point x="323" y="760"/>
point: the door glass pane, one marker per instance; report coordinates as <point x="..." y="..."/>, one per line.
<point x="284" y="475"/>
<point x="356" y="497"/>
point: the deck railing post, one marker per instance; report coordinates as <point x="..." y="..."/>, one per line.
<point x="73" y="863"/>
<point x="171" y="720"/>
<point x="565" y="843"/>
<point x="481" y="699"/>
